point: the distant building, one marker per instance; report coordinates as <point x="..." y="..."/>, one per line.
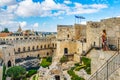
<point x="25" y="44"/>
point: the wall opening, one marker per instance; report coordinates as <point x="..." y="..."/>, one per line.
<point x="57" y="77"/>
<point x="65" y="50"/>
<point x="9" y="63"/>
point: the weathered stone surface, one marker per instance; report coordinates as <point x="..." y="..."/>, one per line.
<point x="1" y="72"/>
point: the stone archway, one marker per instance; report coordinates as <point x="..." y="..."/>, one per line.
<point x="57" y="77"/>
<point x="9" y="63"/>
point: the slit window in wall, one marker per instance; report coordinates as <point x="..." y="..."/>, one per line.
<point x="65" y="50"/>
<point x="18" y="49"/>
<point x="41" y="46"/>
<point x="45" y="46"/>
<point x="23" y="48"/>
<point x="47" y="53"/>
<point x="37" y="47"/>
<point x="28" y="48"/>
<point x="68" y="36"/>
<point x="33" y="48"/>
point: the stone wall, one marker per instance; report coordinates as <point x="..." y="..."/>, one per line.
<point x="65" y="32"/>
<point x="27" y="48"/>
<point x="1" y="72"/>
<point x="70" y="45"/>
<point x="80" y="31"/>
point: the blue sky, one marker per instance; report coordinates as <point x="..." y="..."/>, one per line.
<point x="45" y="15"/>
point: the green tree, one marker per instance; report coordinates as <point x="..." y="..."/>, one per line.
<point x="6" y="30"/>
<point x="16" y="72"/>
<point x="31" y="72"/>
<point x="4" y="69"/>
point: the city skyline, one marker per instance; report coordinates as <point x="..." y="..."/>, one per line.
<point x="45" y="15"/>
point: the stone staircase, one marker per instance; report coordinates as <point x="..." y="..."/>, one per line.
<point x="108" y="68"/>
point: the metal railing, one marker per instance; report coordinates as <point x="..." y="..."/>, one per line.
<point x="110" y="66"/>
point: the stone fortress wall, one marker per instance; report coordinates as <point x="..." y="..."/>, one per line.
<point x="21" y="47"/>
<point x="78" y="39"/>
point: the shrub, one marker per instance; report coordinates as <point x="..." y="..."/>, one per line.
<point x="45" y="63"/>
<point x="70" y="72"/>
<point x="31" y="72"/>
<point x="49" y="59"/>
<point x="16" y="72"/>
<point x="77" y="64"/>
<point x="63" y="59"/>
<point x="76" y="77"/>
<point x="72" y="68"/>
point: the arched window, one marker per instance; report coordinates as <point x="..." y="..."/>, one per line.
<point x="33" y="48"/>
<point x="68" y="35"/>
<point x="14" y="50"/>
<point x="48" y="45"/>
<point x="28" y="48"/>
<point x="47" y="53"/>
<point x="41" y="46"/>
<point x="23" y="48"/>
<point x="37" y="47"/>
<point x="9" y="63"/>
<point x="57" y="77"/>
<point x="45" y="46"/>
<point x="53" y="45"/>
<point x="18" y="49"/>
<point x="38" y="55"/>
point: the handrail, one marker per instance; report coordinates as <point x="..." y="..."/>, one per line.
<point x="107" y="68"/>
<point x="103" y="65"/>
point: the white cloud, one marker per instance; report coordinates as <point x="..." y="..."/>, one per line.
<point x="60" y="17"/>
<point x="23" y="24"/>
<point x="98" y="6"/>
<point x="7" y="2"/>
<point x="35" y="25"/>
<point x="58" y="13"/>
<point x="67" y="2"/>
<point x="11" y="25"/>
<point x="11" y="8"/>
<point x="85" y="9"/>
<point x="28" y="8"/>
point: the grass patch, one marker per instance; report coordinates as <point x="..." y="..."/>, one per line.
<point x="79" y="67"/>
<point x="87" y="63"/>
<point x="73" y="75"/>
<point x="46" y="62"/>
